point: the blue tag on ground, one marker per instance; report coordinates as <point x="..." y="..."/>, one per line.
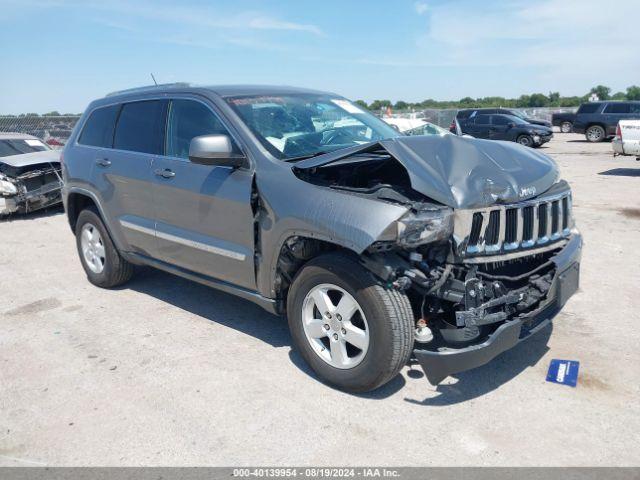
<point x="564" y="372"/>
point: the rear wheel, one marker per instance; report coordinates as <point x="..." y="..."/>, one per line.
<point x="595" y="133"/>
<point x="100" y="259"/>
<point x="525" y="140"/>
<point x="566" y="127"/>
<point x="354" y="333"/>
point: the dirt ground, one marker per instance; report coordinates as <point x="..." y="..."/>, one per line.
<point x="167" y="372"/>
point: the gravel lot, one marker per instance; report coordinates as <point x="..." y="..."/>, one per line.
<point x="168" y="372"/>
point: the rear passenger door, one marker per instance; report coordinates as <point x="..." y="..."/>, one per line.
<point x="481" y="126"/>
<point x="121" y="169"/>
<point x="499" y="127"/>
<point x="204" y="220"/>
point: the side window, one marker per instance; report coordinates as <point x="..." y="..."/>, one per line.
<point x="140" y="127"/>
<point x="617" y="108"/>
<point x="499" y="120"/>
<point x="589" y="107"/>
<point x="188" y="119"/>
<point x="483" y="119"/>
<point x="634" y="108"/>
<point x="98" y="129"/>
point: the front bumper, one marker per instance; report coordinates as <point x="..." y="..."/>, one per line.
<point x="542" y="139"/>
<point x="438" y="365"/>
<point x="618" y="146"/>
<point x="25" y="202"/>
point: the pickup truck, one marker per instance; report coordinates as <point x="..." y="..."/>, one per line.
<point x="627" y="139"/>
<point x="563" y="120"/>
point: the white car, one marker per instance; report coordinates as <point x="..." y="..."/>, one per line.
<point x="627" y="139"/>
<point x="30" y="177"/>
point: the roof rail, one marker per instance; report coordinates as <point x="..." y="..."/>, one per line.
<point x="149" y="88"/>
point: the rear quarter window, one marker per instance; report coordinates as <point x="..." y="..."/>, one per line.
<point x="140" y="127"/>
<point x="589" y="107"/>
<point x="98" y="129"/>
<point x="617" y="108"/>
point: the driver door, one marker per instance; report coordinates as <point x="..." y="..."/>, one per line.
<point x="204" y="220"/>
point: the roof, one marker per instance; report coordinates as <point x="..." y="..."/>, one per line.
<point x="16" y="136"/>
<point x="221" y="90"/>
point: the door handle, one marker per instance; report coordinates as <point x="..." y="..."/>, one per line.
<point x="103" y="162"/>
<point x="166" y="173"/>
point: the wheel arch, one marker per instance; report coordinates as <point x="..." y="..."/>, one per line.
<point x="598" y="124"/>
<point x="78" y="200"/>
<point x="295" y="250"/>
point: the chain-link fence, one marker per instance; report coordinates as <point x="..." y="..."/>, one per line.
<point x="53" y="130"/>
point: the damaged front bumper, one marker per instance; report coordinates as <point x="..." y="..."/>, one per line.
<point x="439" y="364"/>
<point x="30" y="197"/>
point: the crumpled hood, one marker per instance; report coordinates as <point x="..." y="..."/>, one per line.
<point x="33" y="158"/>
<point x="462" y="172"/>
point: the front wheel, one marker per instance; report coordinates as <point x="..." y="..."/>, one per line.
<point x="525" y="140"/>
<point x="595" y="133"/>
<point x="566" y="127"/>
<point x="353" y="332"/>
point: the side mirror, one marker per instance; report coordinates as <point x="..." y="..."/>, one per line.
<point x="511" y="125"/>
<point x="215" y="150"/>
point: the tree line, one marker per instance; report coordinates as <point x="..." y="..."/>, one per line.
<point x="553" y="99"/>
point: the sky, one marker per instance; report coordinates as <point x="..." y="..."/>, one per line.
<point x="61" y="54"/>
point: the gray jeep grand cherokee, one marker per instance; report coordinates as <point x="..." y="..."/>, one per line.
<point x="379" y="248"/>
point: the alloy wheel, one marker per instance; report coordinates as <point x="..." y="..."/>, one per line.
<point x="92" y="248"/>
<point x="594" y="134"/>
<point x="524" y="141"/>
<point x="335" y="326"/>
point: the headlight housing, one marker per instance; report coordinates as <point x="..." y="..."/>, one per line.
<point x="7" y="188"/>
<point x="424" y="226"/>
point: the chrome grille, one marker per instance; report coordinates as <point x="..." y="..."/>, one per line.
<point x="508" y="228"/>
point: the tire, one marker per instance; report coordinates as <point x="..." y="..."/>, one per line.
<point x="566" y="127"/>
<point x="109" y="268"/>
<point x="525" y="140"/>
<point x="384" y="314"/>
<point x="595" y="134"/>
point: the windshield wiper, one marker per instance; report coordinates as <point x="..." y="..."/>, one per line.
<point x="304" y="157"/>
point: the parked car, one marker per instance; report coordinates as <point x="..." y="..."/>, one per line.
<point x="598" y="120"/>
<point x="405" y="122"/>
<point x="428" y="129"/>
<point x="506" y="127"/>
<point x="468" y="113"/>
<point x="376" y="246"/>
<point x="564" y="121"/>
<point x="30" y="177"/>
<point x="627" y="139"/>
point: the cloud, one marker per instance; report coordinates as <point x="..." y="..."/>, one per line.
<point x="554" y="33"/>
<point x="420" y="7"/>
<point x="181" y="15"/>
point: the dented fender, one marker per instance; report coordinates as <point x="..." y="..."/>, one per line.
<point x="348" y="220"/>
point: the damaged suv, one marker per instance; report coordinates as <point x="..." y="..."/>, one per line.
<point x="378" y="247"/>
<point x="29" y="174"/>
